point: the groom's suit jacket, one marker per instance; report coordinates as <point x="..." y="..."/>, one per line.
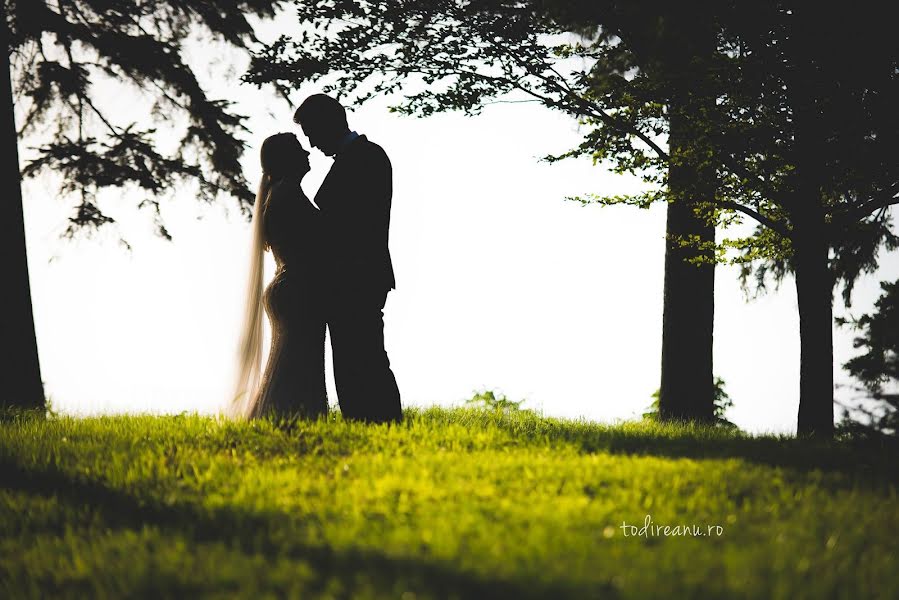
<point x="354" y="200"/>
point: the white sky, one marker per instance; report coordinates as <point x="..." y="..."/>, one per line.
<point x="501" y="284"/>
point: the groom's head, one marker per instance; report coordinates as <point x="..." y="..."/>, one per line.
<point x="323" y="120"/>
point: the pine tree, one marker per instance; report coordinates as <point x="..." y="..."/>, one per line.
<point x="57" y="51"/>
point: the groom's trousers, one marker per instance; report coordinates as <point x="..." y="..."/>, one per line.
<point x="366" y="385"/>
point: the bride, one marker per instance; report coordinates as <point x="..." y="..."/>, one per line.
<point x="287" y="224"/>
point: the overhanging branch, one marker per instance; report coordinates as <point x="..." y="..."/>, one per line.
<point x="776" y="226"/>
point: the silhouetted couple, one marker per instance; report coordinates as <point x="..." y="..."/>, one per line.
<point x="333" y="270"/>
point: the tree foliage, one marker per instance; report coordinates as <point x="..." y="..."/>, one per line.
<point x="59" y="50"/>
<point x="489" y="400"/>
<point x="608" y="65"/>
<point x="809" y="112"/>
<point x="464" y="55"/>
<point x="877" y="368"/>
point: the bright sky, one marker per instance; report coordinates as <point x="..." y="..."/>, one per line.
<point x="501" y="284"/>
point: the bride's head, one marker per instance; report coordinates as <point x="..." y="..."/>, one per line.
<point x="282" y="156"/>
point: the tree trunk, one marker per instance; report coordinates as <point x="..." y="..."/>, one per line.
<point x="22" y="385"/>
<point x="688" y="313"/>
<point x="811" y="246"/>
<point x="814" y="293"/>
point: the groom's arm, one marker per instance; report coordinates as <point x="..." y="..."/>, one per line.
<point x="366" y="214"/>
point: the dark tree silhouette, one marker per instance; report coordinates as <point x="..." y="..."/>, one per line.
<point x="56" y="51"/>
<point x="877" y="368"/>
<point x="20" y="365"/>
<point x="814" y="123"/>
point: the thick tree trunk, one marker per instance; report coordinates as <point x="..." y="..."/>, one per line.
<point x="22" y="386"/>
<point x="688" y="313"/>
<point x="814" y="284"/>
<point x="814" y="292"/>
<point x="811" y="246"/>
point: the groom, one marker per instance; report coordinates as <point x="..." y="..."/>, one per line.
<point x="354" y="200"/>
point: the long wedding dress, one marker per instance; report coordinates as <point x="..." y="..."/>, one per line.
<point x="293" y="381"/>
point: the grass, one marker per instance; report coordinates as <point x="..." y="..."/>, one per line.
<point x="451" y="504"/>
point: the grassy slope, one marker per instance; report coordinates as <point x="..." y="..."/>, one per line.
<point x="453" y="503"/>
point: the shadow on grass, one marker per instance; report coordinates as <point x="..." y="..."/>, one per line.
<point x="860" y="463"/>
<point x="252" y="533"/>
<point x="863" y="461"/>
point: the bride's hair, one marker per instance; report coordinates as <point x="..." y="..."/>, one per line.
<point x="244" y="403"/>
